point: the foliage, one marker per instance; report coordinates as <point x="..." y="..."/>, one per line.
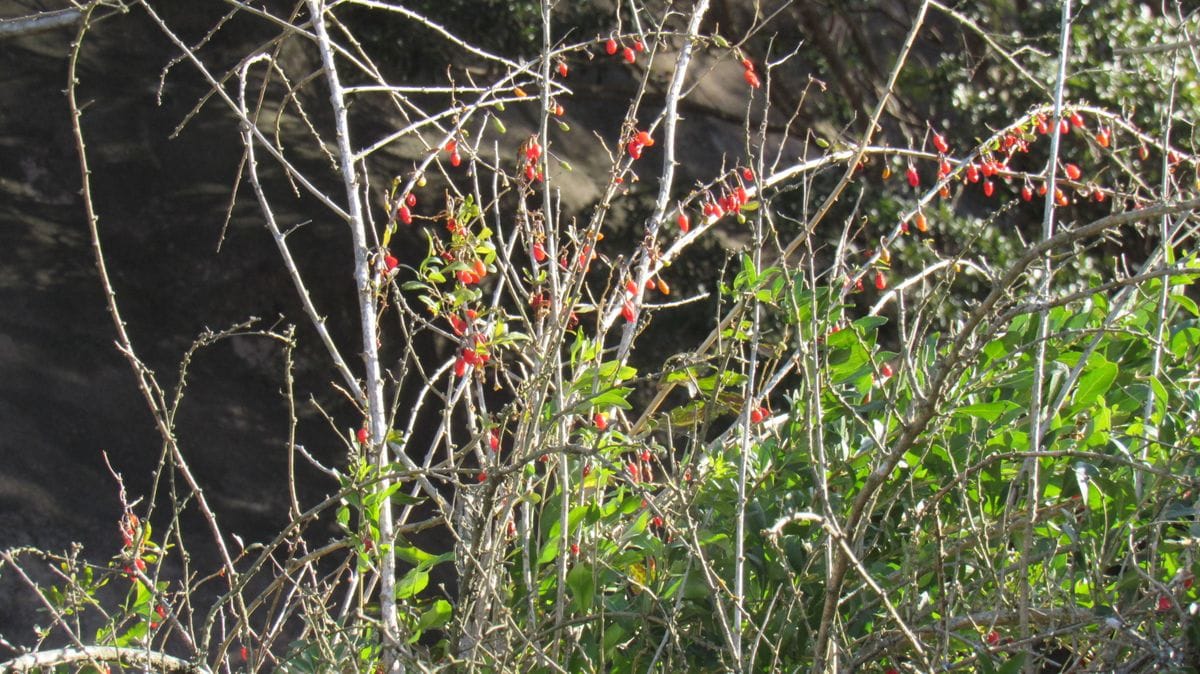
<point x="916" y="437"/>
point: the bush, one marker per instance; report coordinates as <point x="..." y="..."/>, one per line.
<point x="912" y="438"/>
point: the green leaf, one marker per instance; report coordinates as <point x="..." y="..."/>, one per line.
<point x="1095" y="382"/>
<point x="989" y="412"/>
<point x="583" y="587"/>
<point x="436" y="616"/>
<point x="549" y="551"/>
<point x="412" y="583"/>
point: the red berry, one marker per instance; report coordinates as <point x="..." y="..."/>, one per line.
<point x="752" y="79"/>
<point x="922" y="224"/>
<point x="943" y="168"/>
<point x="559" y="110"/>
<point x="1072" y="171"/>
<point x="989" y="168"/>
<point x="758" y="414"/>
<point x="635" y="149"/>
<point x="1076" y="120"/>
<point x="992" y="638"/>
<point x="639" y="46"/>
<point x="939" y="142"/>
<point x="562" y="69"/>
<point x="1043" y="127"/>
<point x="1164" y="604"/>
<point x="533" y="151"/>
<point x="1103" y="137"/>
<point x="1098" y="195"/>
<point x="1063" y="127"/>
<point x="404" y="214"/>
<point x="1026" y="193"/>
<point x="880" y="280"/>
<point x="494" y="439"/>
<point x="657" y="522"/>
<point x="747" y="64"/>
<point x="973" y="173"/>
<point x="389" y="262"/>
<point x="1173" y="157"/>
<point x="482" y="476"/>
<point x="646" y="456"/>
<point x="245" y="653"/>
<point x="455" y="160"/>
<point x="631" y="287"/>
<point x="644" y="138"/>
<point x="683" y="223"/>
<point x="627" y="311"/>
<point x="628" y="55"/>
<point x="989" y="188"/>
<point x="914" y="179"/>
<point x="539" y="252"/>
<point x="458" y="325"/>
<point x="363" y="436"/>
<point x="411" y="199"/>
<point x="611" y="46"/>
<point x="886" y="370"/>
<point x="748" y="175"/>
<point x="460" y="366"/>
<point x="1143" y="153"/>
<point x="574" y="549"/>
<point x="480" y="269"/>
<point x="451" y="145"/>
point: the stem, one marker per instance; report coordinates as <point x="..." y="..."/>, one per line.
<point x="377" y="419"/>
<point x="1032" y="465"/>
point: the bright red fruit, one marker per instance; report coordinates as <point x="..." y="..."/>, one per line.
<point x="758" y="414"/>
<point x="1143" y="153"/>
<point x="683" y="223"/>
<point x="639" y="46"/>
<point x="656" y="522"/>
<point x="989" y="188"/>
<point x="627" y="311"/>
<point x="1164" y="604"/>
<point x="629" y="55"/>
<point x="404" y="214"/>
<point x="1043" y="127"/>
<point x="1073" y="171"/>
<point x="574" y="549"/>
<point x="451" y="146"/>
<point x="752" y="79"/>
<point x="645" y="456"/>
<point x="1103" y="137"/>
<point x="1076" y="120"/>
<point x="635" y="149"/>
<point x="482" y="476"/>
<point x="389" y="262"/>
<point x="914" y="179"/>
<point x="494" y="439"/>
<point x="410" y="200"/>
<point x="1027" y="193"/>
<point x="611" y="46"/>
<point x="973" y="173"/>
<point x="562" y="69"/>
<point x="600" y="421"/>
<point x="644" y="138"/>
<point x="886" y="370"/>
<point x="1098" y="195"/>
<point x="992" y="638"/>
<point x="363" y="436"/>
<point x="539" y="252"/>
<point x="748" y="175"/>
<point x="455" y="159"/>
<point x="939" y="142"/>
<point x="1063" y="127"/>
<point x="631" y="287"/>
<point x="880" y="280"/>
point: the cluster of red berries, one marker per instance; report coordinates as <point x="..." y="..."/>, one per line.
<point x="470" y="357"/>
<point x="749" y="75"/>
<point x="628" y="54"/>
<point x="452" y="149"/>
<point x="531" y="160"/>
<point x="640" y="141"/>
